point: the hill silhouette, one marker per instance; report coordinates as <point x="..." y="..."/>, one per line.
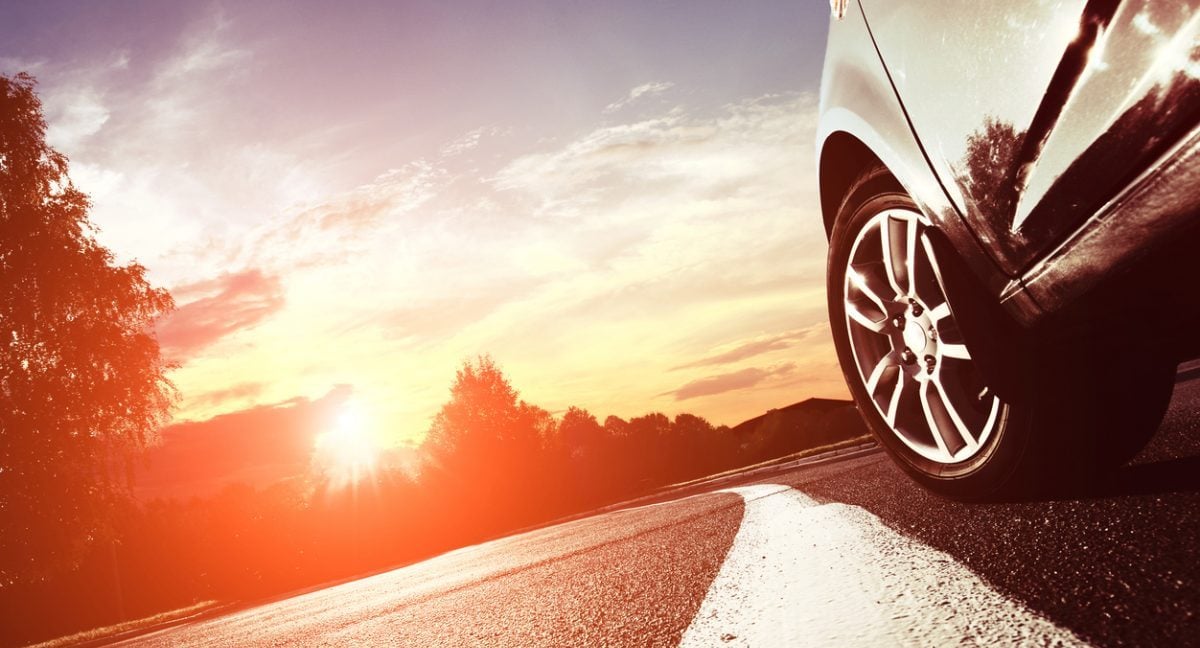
<point x="810" y="423"/>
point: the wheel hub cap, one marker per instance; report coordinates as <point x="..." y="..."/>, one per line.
<point x="915" y="334"/>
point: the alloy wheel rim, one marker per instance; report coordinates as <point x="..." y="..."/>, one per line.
<point x="908" y="350"/>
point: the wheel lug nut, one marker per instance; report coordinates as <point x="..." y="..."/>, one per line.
<point x="908" y="356"/>
<point x="916" y="308"/>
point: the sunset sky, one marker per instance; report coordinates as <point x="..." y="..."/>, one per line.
<point x="615" y="200"/>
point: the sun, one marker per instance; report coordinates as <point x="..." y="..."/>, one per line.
<point x="348" y="450"/>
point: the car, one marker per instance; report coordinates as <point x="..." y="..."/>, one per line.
<point x="1010" y="191"/>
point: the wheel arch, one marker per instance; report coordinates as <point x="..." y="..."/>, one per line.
<point x="844" y="158"/>
<point x="849" y="145"/>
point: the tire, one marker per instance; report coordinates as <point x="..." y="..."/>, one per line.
<point x="965" y="402"/>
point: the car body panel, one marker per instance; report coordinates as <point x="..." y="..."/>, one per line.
<point x="1160" y="206"/>
<point x="972" y="76"/>
<point x="1137" y="97"/>
<point x="1037" y="113"/>
<point x="1048" y="127"/>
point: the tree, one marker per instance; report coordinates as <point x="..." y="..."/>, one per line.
<point x="481" y="416"/>
<point x="82" y="383"/>
<point x="650" y="442"/>
<point x="589" y="455"/>
<point x="581" y="432"/>
<point x="486" y="448"/>
<point x="697" y="446"/>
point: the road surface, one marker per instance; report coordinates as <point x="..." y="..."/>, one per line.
<point x="847" y="552"/>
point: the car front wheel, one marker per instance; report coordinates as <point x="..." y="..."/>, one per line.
<point x="919" y="345"/>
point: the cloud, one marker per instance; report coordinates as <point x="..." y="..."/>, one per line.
<point x="463" y="144"/>
<point x="215" y="308"/>
<point x="591" y="252"/>
<point x="469" y="140"/>
<point x="747" y="157"/>
<point x="330" y="231"/>
<point x="74" y="116"/>
<point x="697" y="231"/>
<point x="748" y="349"/>
<point x="205" y="50"/>
<point x="222" y="396"/>
<point x="398" y="191"/>
<point x="644" y="90"/>
<point x="11" y="65"/>
<point x="674" y="237"/>
<point x="162" y="138"/>
<point x="184" y="87"/>
<point x="440" y="319"/>
<point x="728" y="382"/>
<point x="256" y="446"/>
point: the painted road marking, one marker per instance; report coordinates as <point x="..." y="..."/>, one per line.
<point x="800" y="573"/>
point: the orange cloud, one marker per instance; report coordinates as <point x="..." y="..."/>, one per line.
<point x="727" y="382"/>
<point x="215" y="308"/>
<point x="220" y="396"/>
<point x="753" y="348"/>
<point x="256" y="446"/>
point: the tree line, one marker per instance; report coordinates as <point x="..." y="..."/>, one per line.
<point x="492" y="464"/>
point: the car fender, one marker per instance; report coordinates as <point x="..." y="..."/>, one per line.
<point x="855" y="79"/>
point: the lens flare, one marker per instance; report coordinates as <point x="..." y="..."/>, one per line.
<point x="349" y="449"/>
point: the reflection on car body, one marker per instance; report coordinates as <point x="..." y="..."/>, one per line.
<point x="1035" y="155"/>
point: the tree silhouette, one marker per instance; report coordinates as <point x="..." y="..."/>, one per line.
<point x="697" y="446"/>
<point x="589" y="453"/>
<point x="81" y="380"/>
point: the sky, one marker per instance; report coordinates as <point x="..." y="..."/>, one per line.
<point x="617" y="201"/>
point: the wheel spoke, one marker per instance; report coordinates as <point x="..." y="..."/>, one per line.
<point x="894" y="402"/>
<point x="886" y="361"/>
<point x="860" y="284"/>
<point x="939" y="312"/>
<point x="932" y="289"/>
<point x="910" y="255"/>
<point x="958" y="351"/>
<point x="967" y="437"/>
<point x="866" y="322"/>
<point x="930" y="255"/>
<point x="931" y="420"/>
<point x="895" y="264"/>
<point x="937" y="270"/>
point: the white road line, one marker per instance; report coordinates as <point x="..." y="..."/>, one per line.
<point x="804" y="574"/>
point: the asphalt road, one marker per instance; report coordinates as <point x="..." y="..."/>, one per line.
<point x="846" y="552"/>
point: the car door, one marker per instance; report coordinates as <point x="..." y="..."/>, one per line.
<point x="1034" y="113"/>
